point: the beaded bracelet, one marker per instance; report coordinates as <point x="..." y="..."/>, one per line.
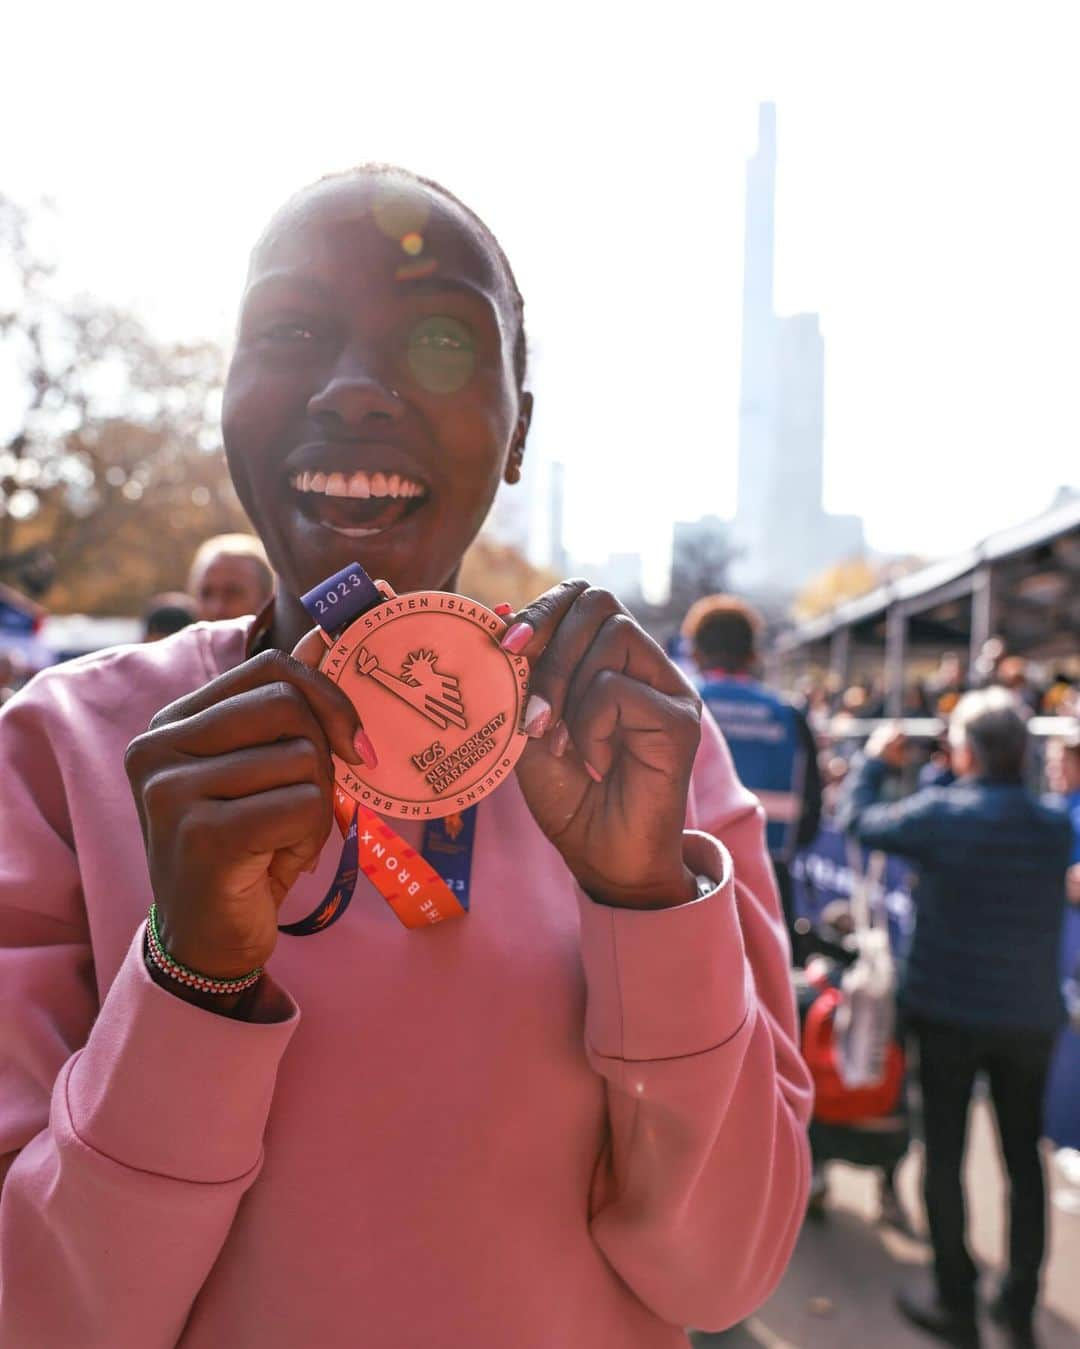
<point x="204" y="983"/>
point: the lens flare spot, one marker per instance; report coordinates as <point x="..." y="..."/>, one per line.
<point x="400" y="208"/>
<point x="413" y="243"/>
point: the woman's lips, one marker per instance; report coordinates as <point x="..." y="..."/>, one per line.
<point x="360" y="504"/>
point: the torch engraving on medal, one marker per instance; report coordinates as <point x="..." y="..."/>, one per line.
<point x="421" y="684"/>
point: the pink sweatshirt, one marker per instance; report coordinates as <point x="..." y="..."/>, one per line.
<point x="549" y="1125"/>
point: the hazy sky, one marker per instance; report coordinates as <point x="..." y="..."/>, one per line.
<point x="928" y="208"/>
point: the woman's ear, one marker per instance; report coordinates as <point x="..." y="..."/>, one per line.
<point x="516" y="455"/>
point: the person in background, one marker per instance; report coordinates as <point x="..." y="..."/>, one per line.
<point x="946" y="685"/>
<point x="916" y="702"/>
<point x="230" y="577"/>
<point x="1063" y="1092"/>
<point x="1059" y="697"/>
<point x="166" y="614"/>
<point x="833" y="769"/>
<point x="1013" y="674"/>
<point x="938" y="769"/>
<point x="7" y="677"/>
<point x="980" y="990"/>
<point x="984" y="666"/>
<point x="770" y="740"/>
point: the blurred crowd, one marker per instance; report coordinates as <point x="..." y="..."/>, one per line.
<point x="1042" y="689"/>
<point x="228" y="578"/>
<point x="834" y="710"/>
<point x="979" y="976"/>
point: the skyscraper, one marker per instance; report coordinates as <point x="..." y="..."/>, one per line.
<point x="757" y="395"/>
<point x="782" y="531"/>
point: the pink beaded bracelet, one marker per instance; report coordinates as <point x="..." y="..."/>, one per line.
<point x="204" y="983"/>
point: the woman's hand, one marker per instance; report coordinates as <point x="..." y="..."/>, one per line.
<point x="234" y="789"/>
<point x="607" y="772"/>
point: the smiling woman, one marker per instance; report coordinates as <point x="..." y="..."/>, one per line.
<point x="575" y="1116"/>
<point x="351" y="360"/>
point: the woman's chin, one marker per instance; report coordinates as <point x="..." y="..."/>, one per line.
<point x="399" y="554"/>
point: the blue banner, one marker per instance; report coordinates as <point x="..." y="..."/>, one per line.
<point x="821" y="874"/>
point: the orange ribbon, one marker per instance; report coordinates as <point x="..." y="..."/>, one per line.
<point x="409" y="883"/>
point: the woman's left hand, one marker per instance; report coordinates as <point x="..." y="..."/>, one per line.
<point x="607" y="771"/>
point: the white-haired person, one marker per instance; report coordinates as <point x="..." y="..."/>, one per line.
<point x="980" y="992"/>
<point x="230" y="577"/>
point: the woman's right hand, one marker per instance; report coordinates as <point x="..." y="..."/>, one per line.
<point x="234" y="789"/>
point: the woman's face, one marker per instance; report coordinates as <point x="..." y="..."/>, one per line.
<point x="371" y="407"/>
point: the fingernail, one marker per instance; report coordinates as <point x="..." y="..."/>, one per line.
<point x="365" y="749"/>
<point x="559" y="739"/>
<point x="596" y="777"/>
<point x="537" y="716"/>
<point x="503" y="609"/>
<point x="518" y="638"/>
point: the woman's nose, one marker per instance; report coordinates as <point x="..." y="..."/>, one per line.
<point x="354" y="396"/>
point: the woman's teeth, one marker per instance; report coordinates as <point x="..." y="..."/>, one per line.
<point x="359" y="485"/>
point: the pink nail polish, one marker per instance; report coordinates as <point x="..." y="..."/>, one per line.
<point x="518" y="638"/>
<point x="503" y="609"/>
<point x="559" y="739"/>
<point x="596" y="777"/>
<point x="365" y="749"/>
<point x="537" y="716"/>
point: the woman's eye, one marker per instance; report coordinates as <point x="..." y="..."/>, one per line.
<point x="441" y="353"/>
<point x="441" y="341"/>
<point x="288" y="332"/>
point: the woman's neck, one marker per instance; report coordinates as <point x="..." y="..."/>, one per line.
<point x="291" y="620"/>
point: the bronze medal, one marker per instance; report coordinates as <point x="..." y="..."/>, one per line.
<point x="440" y="699"/>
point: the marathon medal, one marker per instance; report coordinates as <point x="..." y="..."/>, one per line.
<point x="444" y="704"/>
<point x="442" y="699"/>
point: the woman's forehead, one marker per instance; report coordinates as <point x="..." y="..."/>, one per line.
<point x="387" y="222"/>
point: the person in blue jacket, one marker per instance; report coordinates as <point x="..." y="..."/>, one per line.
<point x="981" y="991"/>
<point x="769" y="738"/>
<point x="1063" y="1089"/>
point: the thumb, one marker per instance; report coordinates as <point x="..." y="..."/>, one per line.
<point x="310" y="649"/>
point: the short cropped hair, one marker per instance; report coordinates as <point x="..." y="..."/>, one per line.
<point x="168" y="613"/>
<point x="232" y="545"/>
<point x="990" y="724"/>
<point x="724" y="631"/>
<point x="375" y="170"/>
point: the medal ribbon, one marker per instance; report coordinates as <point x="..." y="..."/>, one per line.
<point x="423" y="887"/>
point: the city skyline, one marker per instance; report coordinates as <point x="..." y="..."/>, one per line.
<point x="935" y="234"/>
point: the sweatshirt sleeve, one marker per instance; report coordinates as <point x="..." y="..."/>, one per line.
<point x="906" y="828"/>
<point x="130" y="1131"/>
<point x="701" y="1189"/>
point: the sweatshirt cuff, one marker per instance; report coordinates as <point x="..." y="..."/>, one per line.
<point x="666" y="983"/>
<point x="165" y="1087"/>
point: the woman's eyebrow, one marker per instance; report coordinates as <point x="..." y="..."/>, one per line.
<point x="434" y="285"/>
<point x="283" y="280"/>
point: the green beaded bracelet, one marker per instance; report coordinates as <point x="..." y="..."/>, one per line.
<point x="204" y="983"/>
